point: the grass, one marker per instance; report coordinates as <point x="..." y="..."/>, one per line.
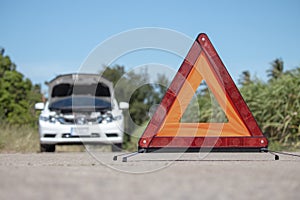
<point x="277" y="146"/>
<point x="19" y="139"/>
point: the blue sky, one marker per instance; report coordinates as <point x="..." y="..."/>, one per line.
<point x="47" y="38"/>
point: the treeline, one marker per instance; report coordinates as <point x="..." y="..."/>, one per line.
<point x="17" y="95"/>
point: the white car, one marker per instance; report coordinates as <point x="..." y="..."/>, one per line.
<point x="81" y="108"/>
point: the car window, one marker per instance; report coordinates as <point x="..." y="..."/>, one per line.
<point x="65" y="89"/>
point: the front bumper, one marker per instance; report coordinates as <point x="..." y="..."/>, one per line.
<point x="110" y="133"/>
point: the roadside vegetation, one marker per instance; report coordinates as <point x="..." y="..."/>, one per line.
<point x="275" y="105"/>
<point x="15" y="138"/>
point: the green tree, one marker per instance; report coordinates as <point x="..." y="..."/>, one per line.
<point x="17" y="95"/>
<point x="113" y="74"/>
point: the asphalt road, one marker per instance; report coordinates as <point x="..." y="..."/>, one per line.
<point x="95" y="175"/>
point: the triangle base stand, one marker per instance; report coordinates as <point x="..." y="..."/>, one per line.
<point x="126" y="156"/>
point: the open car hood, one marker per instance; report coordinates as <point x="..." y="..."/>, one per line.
<point x="80" y="91"/>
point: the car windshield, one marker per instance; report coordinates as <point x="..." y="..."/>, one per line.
<point x="66" y="89"/>
<point x="80" y="103"/>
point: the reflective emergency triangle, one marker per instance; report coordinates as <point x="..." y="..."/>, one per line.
<point x="166" y="132"/>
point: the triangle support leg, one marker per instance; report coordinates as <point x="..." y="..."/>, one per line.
<point x="125" y="156"/>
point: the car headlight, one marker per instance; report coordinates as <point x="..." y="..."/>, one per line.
<point x="50" y="119"/>
<point x="105" y="119"/>
<point x="44" y="118"/>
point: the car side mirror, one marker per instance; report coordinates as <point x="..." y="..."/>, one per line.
<point x="123" y="105"/>
<point x="39" y="106"/>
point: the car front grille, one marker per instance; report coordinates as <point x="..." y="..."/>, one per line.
<point x="68" y="135"/>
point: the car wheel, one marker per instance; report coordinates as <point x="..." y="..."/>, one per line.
<point x="116" y="147"/>
<point x="47" y="148"/>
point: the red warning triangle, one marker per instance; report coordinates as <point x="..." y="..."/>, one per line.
<point x="166" y="132"/>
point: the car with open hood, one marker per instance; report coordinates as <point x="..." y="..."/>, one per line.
<point x="81" y="108"/>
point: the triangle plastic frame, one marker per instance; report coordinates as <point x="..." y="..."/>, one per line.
<point x="165" y="132"/>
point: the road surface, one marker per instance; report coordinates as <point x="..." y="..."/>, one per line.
<point x="94" y="175"/>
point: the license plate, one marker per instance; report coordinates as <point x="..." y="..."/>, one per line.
<point x="80" y="131"/>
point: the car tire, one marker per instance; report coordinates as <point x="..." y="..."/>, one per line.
<point x="47" y="148"/>
<point x="116" y="147"/>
